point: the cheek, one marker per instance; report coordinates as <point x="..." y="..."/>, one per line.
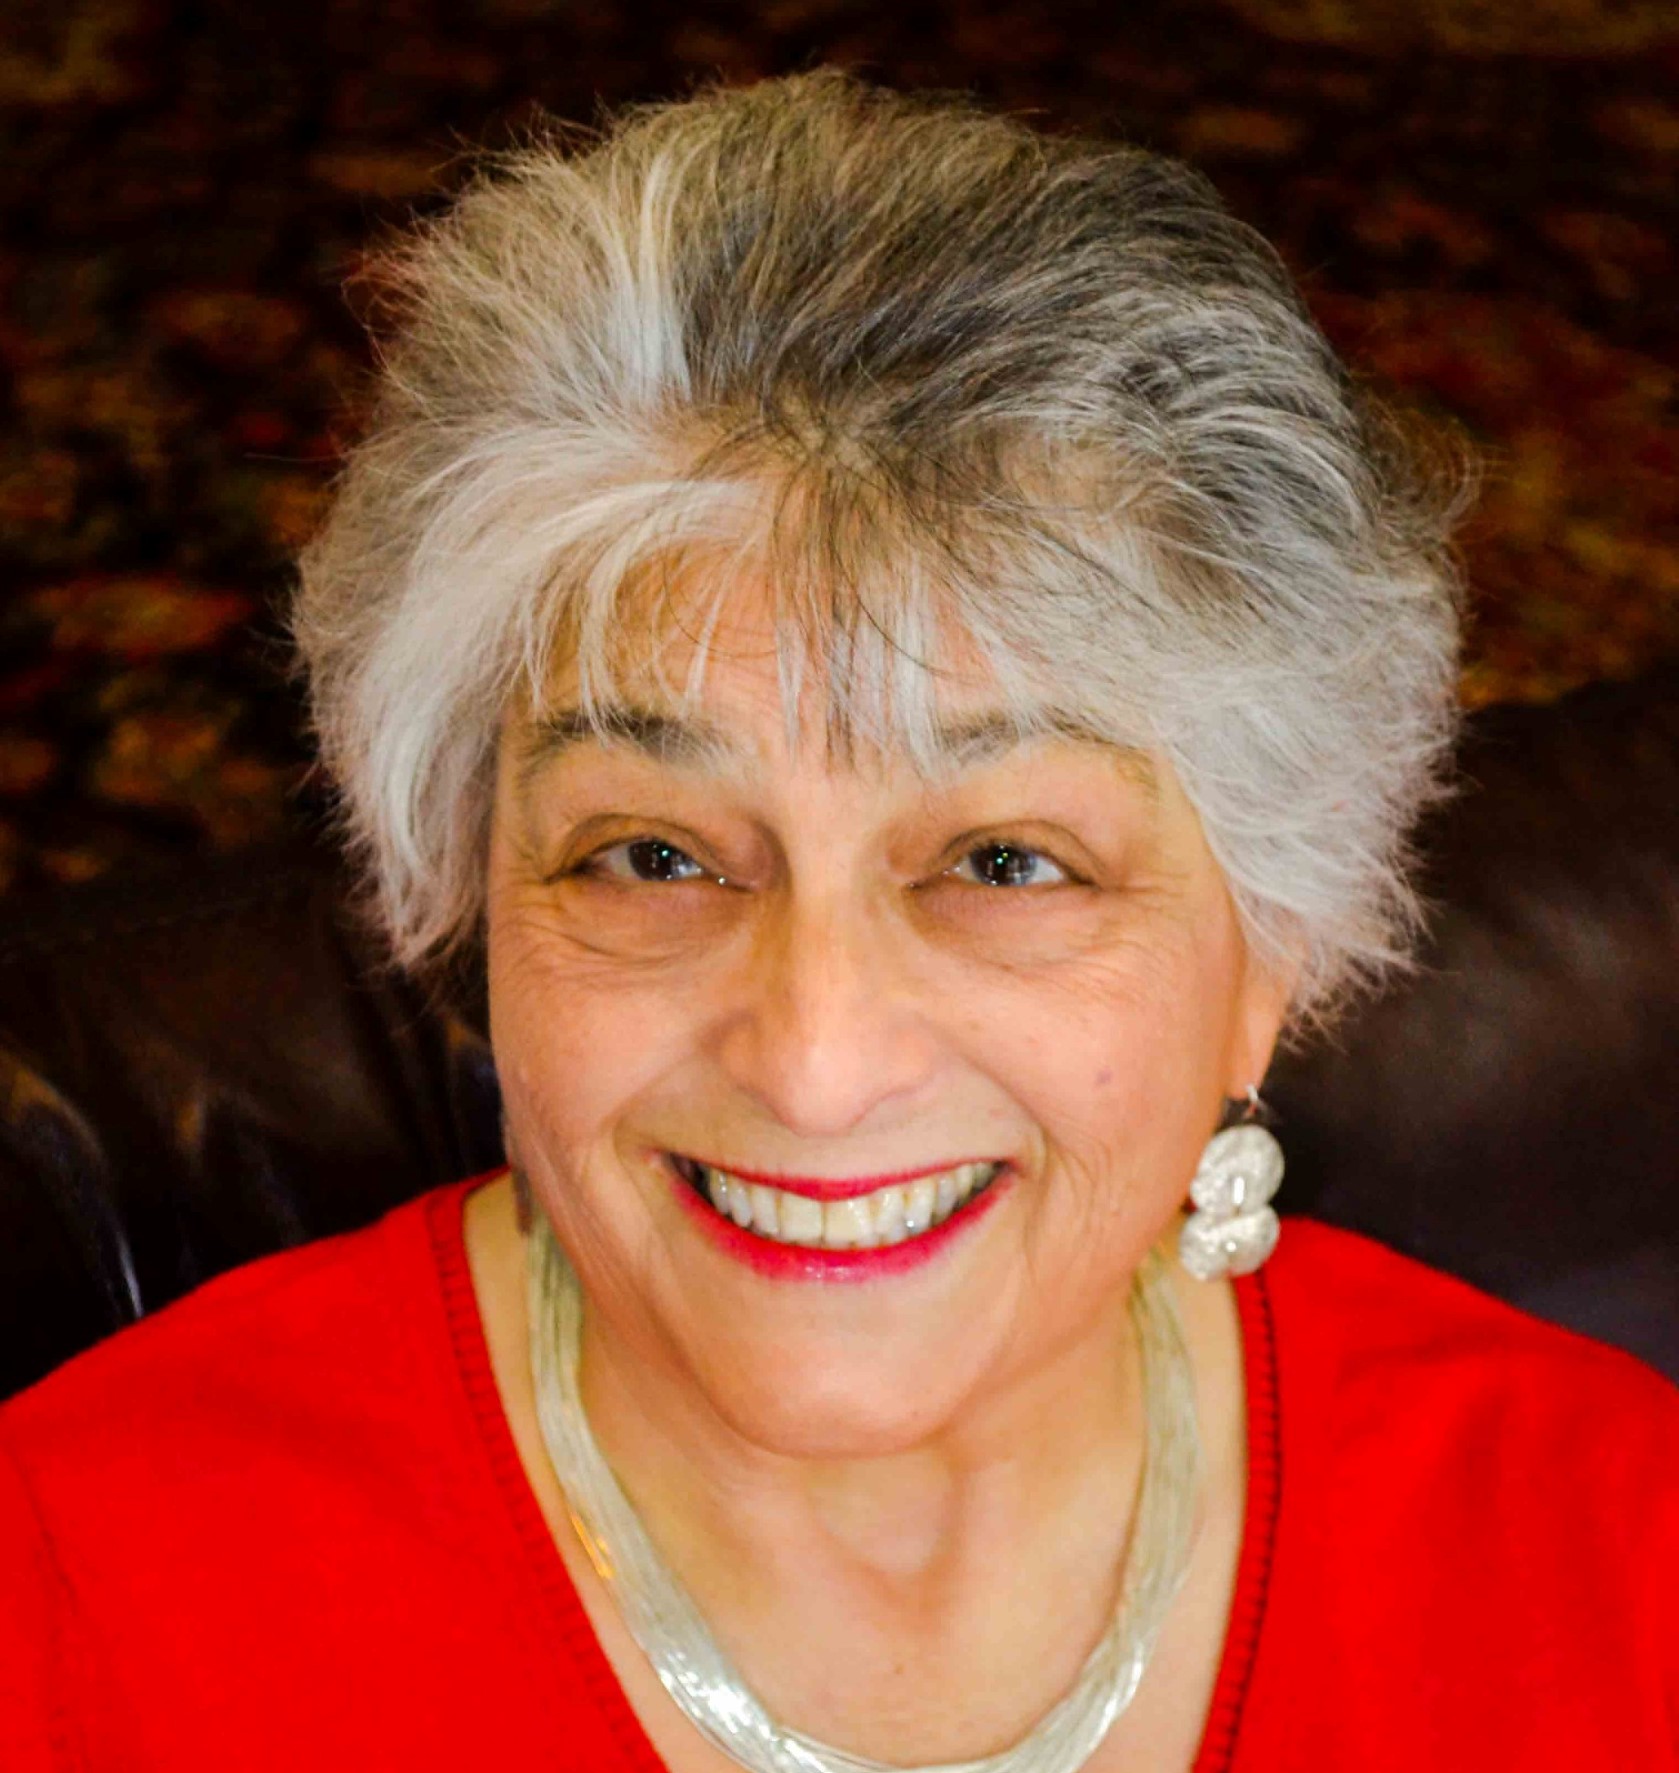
<point x="576" y="1042"/>
<point x="576" y="1061"/>
<point x="1119" y="1062"/>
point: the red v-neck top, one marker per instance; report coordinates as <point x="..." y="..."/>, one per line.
<point x="283" y="1524"/>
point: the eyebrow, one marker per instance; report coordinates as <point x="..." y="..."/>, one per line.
<point x="701" y="745"/>
<point x="967" y="744"/>
<point x="665" y="738"/>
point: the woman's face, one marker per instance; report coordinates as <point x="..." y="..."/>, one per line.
<point x="980" y="1026"/>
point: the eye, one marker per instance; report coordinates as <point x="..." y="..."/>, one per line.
<point x="1009" y="865"/>
<point x="646" y="859"/>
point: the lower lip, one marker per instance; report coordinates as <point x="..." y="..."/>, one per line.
<point x="802" y="1262"/>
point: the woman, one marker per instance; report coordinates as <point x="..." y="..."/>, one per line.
<point x="891" y="642"/>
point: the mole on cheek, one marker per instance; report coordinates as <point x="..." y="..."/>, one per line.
<point x="1104" y="1077"/>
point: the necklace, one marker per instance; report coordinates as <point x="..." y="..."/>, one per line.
<point x="691" y="1665"/>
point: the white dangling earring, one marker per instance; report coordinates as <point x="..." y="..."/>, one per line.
<point x="1233" y="1228"/>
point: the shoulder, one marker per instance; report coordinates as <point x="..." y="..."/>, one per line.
<point x="1462" y="1488"/>
<point x="1357" y="1318"/>
<point x="292" y="1474"/>
<point x="1407" y="1369"/>
<point x="160" y="1493"/>
<point x="1460" y="1446"/>
<point x="224" y="1374"/>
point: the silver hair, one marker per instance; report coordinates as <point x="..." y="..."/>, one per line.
<point x="926" y="372"/>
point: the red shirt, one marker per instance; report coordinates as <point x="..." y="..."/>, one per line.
<point x="282" y="1525"/>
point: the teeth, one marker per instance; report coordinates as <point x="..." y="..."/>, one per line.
<point x="766" y="1215"/>
<point x="864" y="1222"/>
<point x="919" y="1200"/>
<point x="848" y="1224"/>
<point x="801" y="1219"/>
<point x="889" y="1215"/>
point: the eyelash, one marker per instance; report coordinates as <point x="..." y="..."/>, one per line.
<point x="1002" y="846"/>
<point x="594" y="865"/>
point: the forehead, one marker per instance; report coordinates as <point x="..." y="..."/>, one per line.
<point x="718" y="677"/>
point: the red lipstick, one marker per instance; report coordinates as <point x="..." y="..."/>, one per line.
<point x="838" y="1188"/>
<point x="778" y="1261"/>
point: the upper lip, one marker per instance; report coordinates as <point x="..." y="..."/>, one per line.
<point x="837" y="1187"/>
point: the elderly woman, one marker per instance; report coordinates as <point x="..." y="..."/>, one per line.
<point x="890" y="640"/>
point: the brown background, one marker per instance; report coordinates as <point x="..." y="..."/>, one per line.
<point x="1479" y="199"/>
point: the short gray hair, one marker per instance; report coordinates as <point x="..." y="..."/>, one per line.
<point x="939" y="374"/>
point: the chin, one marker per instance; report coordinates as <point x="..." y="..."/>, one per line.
<point x="841" y="1414"/>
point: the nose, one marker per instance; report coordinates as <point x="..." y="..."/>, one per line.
<point x="823" y="1027"/>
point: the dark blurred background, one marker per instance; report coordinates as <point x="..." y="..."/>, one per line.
<point x="1478" y="195"/>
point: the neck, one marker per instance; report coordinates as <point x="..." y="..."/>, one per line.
<point x="854" y="1592"/>
<point x="1058" y="1444"/>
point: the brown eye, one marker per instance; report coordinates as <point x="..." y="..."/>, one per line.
<point x="648" y="859"/>
<point x="1009" y="865"/>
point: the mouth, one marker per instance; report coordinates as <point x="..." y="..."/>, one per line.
<point x="840" y="1225"/>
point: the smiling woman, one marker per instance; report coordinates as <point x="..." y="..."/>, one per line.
<point x="890" y="646"/>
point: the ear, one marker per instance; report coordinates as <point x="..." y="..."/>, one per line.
<point x="1263" y="999"/>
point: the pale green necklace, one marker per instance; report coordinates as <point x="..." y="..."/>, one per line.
<point x="691" y="1665"/>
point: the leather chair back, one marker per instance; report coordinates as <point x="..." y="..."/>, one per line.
<point x="202" y="1068"/>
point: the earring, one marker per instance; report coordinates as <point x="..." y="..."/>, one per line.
<point x="1233" y="1229"/>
